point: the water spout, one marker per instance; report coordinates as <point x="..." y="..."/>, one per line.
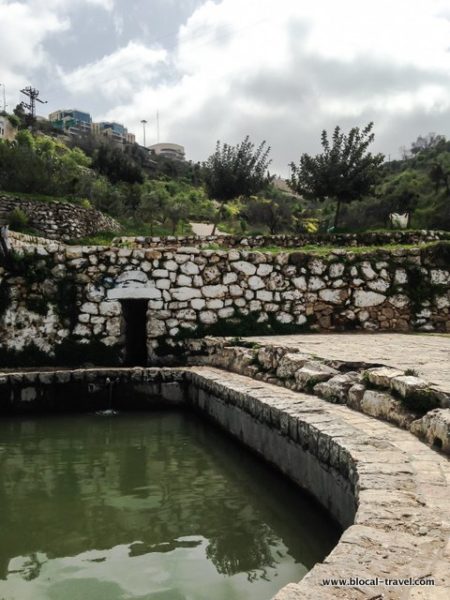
<point x="108" y="412"/>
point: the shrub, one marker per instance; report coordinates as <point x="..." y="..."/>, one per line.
<point x="85" y="203"/>
<point x="18" y="220"/>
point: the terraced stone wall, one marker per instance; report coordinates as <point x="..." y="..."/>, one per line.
<point x="369" y="238"/>
<point x="58" y="220"/>
<point x="55" y="298"/>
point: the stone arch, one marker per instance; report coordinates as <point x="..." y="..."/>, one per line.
<point x="131" y="285"/>
<point x="133" y="290"/>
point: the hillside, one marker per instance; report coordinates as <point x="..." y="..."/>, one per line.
<point x="151" y="195"/>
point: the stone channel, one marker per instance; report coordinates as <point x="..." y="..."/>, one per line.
<point x="384" y="486"/>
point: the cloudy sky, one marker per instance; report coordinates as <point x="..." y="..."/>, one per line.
<point x="279" y="70"/>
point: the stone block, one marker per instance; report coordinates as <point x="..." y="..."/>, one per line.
<point x="364" y="299"/>
<point x="185" y="293"/>
<point x="406" y="385"/>
<point x="244" y="267"/>
<point x="381" y="376"/>
<point x="385" y="406"/>
<point x="336" y="389"/>
<point x="313" y="372"/>
<point x="290" y="363"/>
<point x="434" y="428"/>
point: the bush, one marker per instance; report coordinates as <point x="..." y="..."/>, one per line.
<point x="18" y="220"/>
<point x="85" y="203"/>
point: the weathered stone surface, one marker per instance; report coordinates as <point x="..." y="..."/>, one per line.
<point x="406" y="385"/>
<point x="308" y="292"/>
<point x="214" y="291"/>
<point x="336" y="389"/>
<point x="333" y="296"/>
<point x="434" y="427"/>
<point x="244" y="267"/>
<point x="185" y="293"/>
<point x="110" y="309"/>
<point x="365" y="299"/>
<point x="382" y="376"/>
<point x="290" y="363"/>
<point x="383" y="405"/>
<point x="313" y="372"/>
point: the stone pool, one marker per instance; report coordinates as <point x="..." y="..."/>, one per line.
<point x="155" y="505"/>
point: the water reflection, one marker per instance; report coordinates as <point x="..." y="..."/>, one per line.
<point x="152" y="506"/>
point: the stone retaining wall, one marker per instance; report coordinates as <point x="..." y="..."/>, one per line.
<point x="387" y="488"/>
<point x="336" y="240"/>
<point x="51" y="294"/>
<point x="58" y="220"/>
<point x="392" y="395"/>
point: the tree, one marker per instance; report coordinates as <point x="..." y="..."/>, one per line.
<point x="400" y="193"/>
<point x="345" y="171"/>
<point x="116" y="165"/>
<point x="234" y="171"/>
<point x="440" y="172"/>
<point x="425" y="142"/>
<point x="176" y="209"/>
<point x="151" y="206"/>
<point x="276" y="212"/>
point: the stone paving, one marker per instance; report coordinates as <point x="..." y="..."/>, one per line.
<point x="427" y="354"/>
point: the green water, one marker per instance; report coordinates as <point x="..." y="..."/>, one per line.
<point x="154" y="506"/>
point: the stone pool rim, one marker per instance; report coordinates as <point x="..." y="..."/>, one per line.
<point x="386" y="487"/>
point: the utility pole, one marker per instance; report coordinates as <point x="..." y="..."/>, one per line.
<point x="4" y="96"/>
<point x="144" y="123"/>
<point x="33" y="95"/>
<point x="157" y="126"/>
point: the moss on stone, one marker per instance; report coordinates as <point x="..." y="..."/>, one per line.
<point x="65" y="301"/>
<point x="437" y="255"/>
<point x="69" y="353"/>
<point x="5" y="297"/>
<point x="240" y="325"/>
<point x="418" y="287"/>
<point x="420" y="401"/>
<point x="37" y="304"/>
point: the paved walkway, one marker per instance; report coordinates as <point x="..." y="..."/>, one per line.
<point x="428" y="355"/>
<point x="204" y="229"/>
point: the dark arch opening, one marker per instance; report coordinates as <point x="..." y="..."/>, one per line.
<point x="135" y="316"/>
<point x="437" y="443"/>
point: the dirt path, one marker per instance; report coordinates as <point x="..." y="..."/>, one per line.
<point x="204" y="229"/>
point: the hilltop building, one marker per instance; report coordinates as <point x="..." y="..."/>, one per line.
<point x="72" y="121"/>
<point x="114" y="131"/>
<point x="7" y="130"/>
<point x="174" y="151"/>
<point x="76" y="122"/>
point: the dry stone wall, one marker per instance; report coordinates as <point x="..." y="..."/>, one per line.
<point x="58" y="220"/>
<point x="369" y="238"/>
<point x="53" y="294"/>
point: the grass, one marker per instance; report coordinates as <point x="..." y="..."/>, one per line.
<point x="43" y="197"/>
<point x="129" y="229"/>
<point x="325" y="250"/>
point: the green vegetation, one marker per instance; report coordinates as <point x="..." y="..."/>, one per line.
<point x="69" y="353"/>
<point x="153" y="195"/>
<point x="417" y="184"/>
<point x="239" y="325"/>
<point x="326" y="250"/>
<point x="148" y="195"/>
<point x="344" y="172"/>
<point x="236" y="171"/>
<point x="17" y="220"/>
